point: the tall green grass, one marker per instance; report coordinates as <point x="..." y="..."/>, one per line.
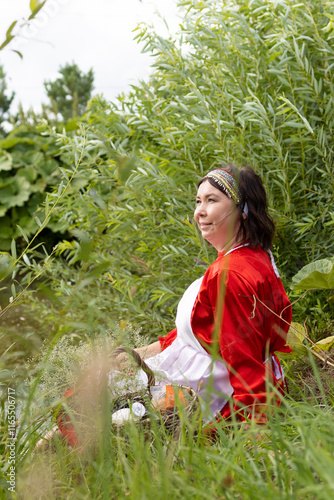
<point x="290" y="457"/>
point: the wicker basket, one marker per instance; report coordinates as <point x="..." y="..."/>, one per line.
<point x="170" y="419"/>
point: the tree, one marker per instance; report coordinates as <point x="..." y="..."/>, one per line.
<point x="5" y="100"/>
<point x="70" y="93"/>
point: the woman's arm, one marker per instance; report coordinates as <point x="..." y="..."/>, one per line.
<point x="149" y="350"/>
<point x="144" y="352"/>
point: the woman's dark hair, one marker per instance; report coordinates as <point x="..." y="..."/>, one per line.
<point x="257" y="227"/>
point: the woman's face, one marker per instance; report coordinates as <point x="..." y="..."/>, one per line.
<point x="215" y="215"/>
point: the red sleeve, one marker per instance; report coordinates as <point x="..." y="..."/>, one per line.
<point x="168" y="339"/>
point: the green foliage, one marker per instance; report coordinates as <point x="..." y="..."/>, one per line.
<point x="70" y="92"/>
<point x="5" y="100"/>
<point x="34" y="172"/>
<point x="302" y="345"/>
<point x="314" y="276"/>
<point x="324" y="344"/>
<point x="295" y="338"/>
<point x="35" y="7"/>
<point x="31" y="117"/>
<point x="29" y="166"/>
<point x="240" y="82"/>
<point x="318" y="274"/>
<point x="6" y="264"/>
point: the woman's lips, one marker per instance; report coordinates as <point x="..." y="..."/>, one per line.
<point x="204" y="225"/>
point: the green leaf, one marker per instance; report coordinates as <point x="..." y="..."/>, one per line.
<point x="26" y="259"/>
<point x="6" y="162"/>
<point x="9" y="142"/>
<point x="15" y="192"/>
<point x="293" y="124"/>
<point x="6" y="42"/>
<point x="23" y="233"/>
<point x="38" y="221"/>
<point x="5" y="375"/>
<point x="46" y="207"/>
<point x="9" y="36"/>
<point x="60" y="188"/>
<point x="13" y="248"/>
<point x="318" y="274"/>
<point x="18" y="53"/>
<point x="86" y="245"/>
<point x="324" y="344"/>
<point x="37" y="8"/>
<point x="126" y="166"/>
<point x="6" y="264"/>
<point x="72" y="125"/>
<point x="296" y="335"/>
<point x="10" y="29"/>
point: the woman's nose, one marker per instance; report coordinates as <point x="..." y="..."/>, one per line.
<point x="200" y="209"/>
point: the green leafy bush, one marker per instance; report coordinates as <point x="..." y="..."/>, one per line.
<point x="29" y="166"/>
<point x="241" y="82"/>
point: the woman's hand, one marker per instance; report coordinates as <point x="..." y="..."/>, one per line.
<point x="123" y="360"/>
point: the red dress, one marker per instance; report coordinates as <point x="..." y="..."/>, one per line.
<point x="242" y="291"/>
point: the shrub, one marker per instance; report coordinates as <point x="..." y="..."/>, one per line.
<point x="241" y="82"/>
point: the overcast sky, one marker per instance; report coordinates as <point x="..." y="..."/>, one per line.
<point x="94" y="34"/>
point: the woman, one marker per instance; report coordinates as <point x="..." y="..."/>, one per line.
<point x="230" y="322"/>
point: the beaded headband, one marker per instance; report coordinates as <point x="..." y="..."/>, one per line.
<point x="226" y="182"/>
